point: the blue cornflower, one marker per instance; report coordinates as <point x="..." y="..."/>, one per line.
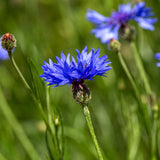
<point x="108" y="27"/>
<point x="3" y="53"/>
<point x="157" y="56"/>
<point x="67" y="71"/>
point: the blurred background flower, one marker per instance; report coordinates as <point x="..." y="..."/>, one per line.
<point x="108" y="27"/>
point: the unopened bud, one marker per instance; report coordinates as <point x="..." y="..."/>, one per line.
<point x="114" y="45"/>
<point x="81" y="92"/>
<point x="8" y="42"/>
<point x="57" y="122"/>
<point x="155" y="111"/>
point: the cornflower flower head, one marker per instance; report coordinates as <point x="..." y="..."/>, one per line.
<point x="107" y="28"/>
<point x="157" y="56"/>
<point x="69" y="71"/>
<point x="66" y="71"/>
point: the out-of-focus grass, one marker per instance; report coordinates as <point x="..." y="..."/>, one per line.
<point x="43" y="29"/>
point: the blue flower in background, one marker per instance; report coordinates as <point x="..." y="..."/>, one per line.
<point x="108" y="27"/>
<point x="3" y="53"/>
<point x="67" y="71"/>
<point x="142" y="15"/>
<point x="157" y="56"/>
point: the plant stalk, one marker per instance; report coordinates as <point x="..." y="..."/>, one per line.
<point x="38" y="103"/>
<point x="155" y="116"/>
<point x="91" y="129"/>
<point x="129" y="75"/>
<point x="50" y="121"/>
<point x="141" y="69"/>
<point x="143" y="108"/>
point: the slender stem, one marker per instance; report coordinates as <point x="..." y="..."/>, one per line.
<point x="19" y="72"/>
<point x="27" y="86"/>
<point x="49" y="116"/>
<point x="146" y="116"/>
<point x="57" y="140"/>
<point x="141" y="69"/>
<point x="32" y="94"/>
<point x="91" y="129"/>
<point x="142" y="107"/>
<point x="17" y="128"/>
<point x="48" y="104"/>
<point x="149" y="92"/>
<point x="154" y="135"/>
<point x="62" y="134"/>
<point x="50" y="151"/>
<point x="129" y="75"/>
<point x="50" y="121"/>
<point x="155" y="111"/>
<point x="29" y="89"/>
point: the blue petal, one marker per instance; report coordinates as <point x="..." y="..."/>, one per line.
<point x="95" y="17"/>
<point x="68" y="59"/>
<point x="158" y="64"/>
<point x="157" y="55"/>
<point x="105" y="34"/>
<point x="138" y="6"/>
<point x="63" y="57"/>
<point x="125" y="8"/>
<point x="146" y="23"/>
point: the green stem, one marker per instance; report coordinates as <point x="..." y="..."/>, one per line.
<point x="17" y="128"/>
<point x="48" y="106"/>
<point x="19" y="72"/>
<point x="155" y="113"/>
<point x="50" y="151"/>
<point x="154" y="135"/>
<point x="48" y="103"/>
<point x="149" y="93"/>
<point x="91" y="129"/>
<point x="32" y="94"/>
<point x="27" y="86"/>
<point x="141" y="69"/>
<point x="62" y="135"/>
<point x="129" y="75"/>
<point x="50" y="121"/>
<point x="142" y="107"/>
<point x="57" y="141"/>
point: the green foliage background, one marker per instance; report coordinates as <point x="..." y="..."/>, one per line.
<point x="44" y="28"/>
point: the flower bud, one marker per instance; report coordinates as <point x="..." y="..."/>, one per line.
<point x="8" y="42"/>
<point x="155" y="111"/>
<point x="114" y="45"/>
<point x="127" y="33"/>
<point x="81" y="92"/>
<point x="56" y="121"/>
